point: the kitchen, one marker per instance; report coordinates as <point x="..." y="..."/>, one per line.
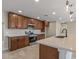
<point x="29" y="27"/>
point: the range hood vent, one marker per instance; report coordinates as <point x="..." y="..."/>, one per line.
<point x="30" y="26"/>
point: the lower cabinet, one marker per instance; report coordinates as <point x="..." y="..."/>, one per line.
<point x="17" y="42"/>
<point x="47" y="52"/>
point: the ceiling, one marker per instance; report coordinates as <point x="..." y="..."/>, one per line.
<point x="34" y="9"/>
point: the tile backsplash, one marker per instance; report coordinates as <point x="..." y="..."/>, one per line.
<point x="11" y="32"/>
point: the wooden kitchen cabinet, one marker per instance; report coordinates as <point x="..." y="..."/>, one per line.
<point x="12" y="20"/>
<point x="23" y="41"/>
<point x="38" y="24"/>
<point x="12" y="43"/>
<point x="35" y="23"/>
<point x="41" y="36"/>
<point x="20" y="20"/>
<point x="25" y="22"/>
<point x="17" y="21"/>
<point x="47" y="52"/>
<point x="17" y="42"/>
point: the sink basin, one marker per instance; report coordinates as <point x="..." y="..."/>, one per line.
<point x="60" y="36"/>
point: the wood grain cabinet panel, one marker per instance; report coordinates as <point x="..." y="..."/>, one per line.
<point x="12" y="43"/>
<point x="17" y="42"/>
<point x="19" y="21"/>
<point x="38" y="24"/>
<point x="35" y="23"/>
<point x="12" y="20"/>
<point x="25" y="22"/>
<point x="23" y="41"/>
<point x="47" y="52"/>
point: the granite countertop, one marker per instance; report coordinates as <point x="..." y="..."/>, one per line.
<point x="62" y="43"/>
<point x="13" y="35"/>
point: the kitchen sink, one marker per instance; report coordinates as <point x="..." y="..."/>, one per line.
<point x="60" y="36"/>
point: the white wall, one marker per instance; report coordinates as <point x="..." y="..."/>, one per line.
<point x="58" y="26"/>
<point x="4" y="27"/>
<point x="51" y="30"/>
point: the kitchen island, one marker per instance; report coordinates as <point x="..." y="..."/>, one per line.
<point x="65" y="46"/>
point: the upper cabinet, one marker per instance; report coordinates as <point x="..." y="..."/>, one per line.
<point x="38" y="24"/>
<point x="20" y="20"/>
<point x="17" y="21"/>
<point x="12" y="20"/>
<point x="25" y="22"/>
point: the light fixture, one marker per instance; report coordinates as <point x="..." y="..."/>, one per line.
<point x="36" y="0"/>
<point x="71" y="14"/>
<point x="53" y="13"/>
<point x="20" y="11"/>
<point x="67" y="5"/>
<point x="67" y="8"/>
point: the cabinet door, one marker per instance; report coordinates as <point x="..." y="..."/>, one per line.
<point x="19" y="21"/>
<point x="13" y="43"/>
<point x="38" y="24"/>
<point x="12" y="20"/>
<point x="26" y="41"/>
<point x="23" y="41"/>
<point x="25" y="22"/>
<point x="35" y="23"/>
<point x="47" y="52"/>
<point x="30" y="21"/>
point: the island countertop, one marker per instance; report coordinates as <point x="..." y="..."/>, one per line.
<point x="61" y="43"/>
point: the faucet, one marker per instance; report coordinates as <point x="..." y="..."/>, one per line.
<point x="65" y="31"/>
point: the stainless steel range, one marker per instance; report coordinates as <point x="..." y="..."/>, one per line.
<point x="32" y="36"/>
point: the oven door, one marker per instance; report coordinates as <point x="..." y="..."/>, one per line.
<point x="32" y="39"/>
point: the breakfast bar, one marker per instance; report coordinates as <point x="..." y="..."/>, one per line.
<point x="65" y="46"/>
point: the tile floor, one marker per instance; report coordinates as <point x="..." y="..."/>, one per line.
<point x="30" y="52"/>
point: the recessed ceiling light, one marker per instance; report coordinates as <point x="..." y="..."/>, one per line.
<point x="53" y="13"/>
<point x="38" y="17"/>
<point x="19" y="11"/>
<point x="36" y="0"/>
